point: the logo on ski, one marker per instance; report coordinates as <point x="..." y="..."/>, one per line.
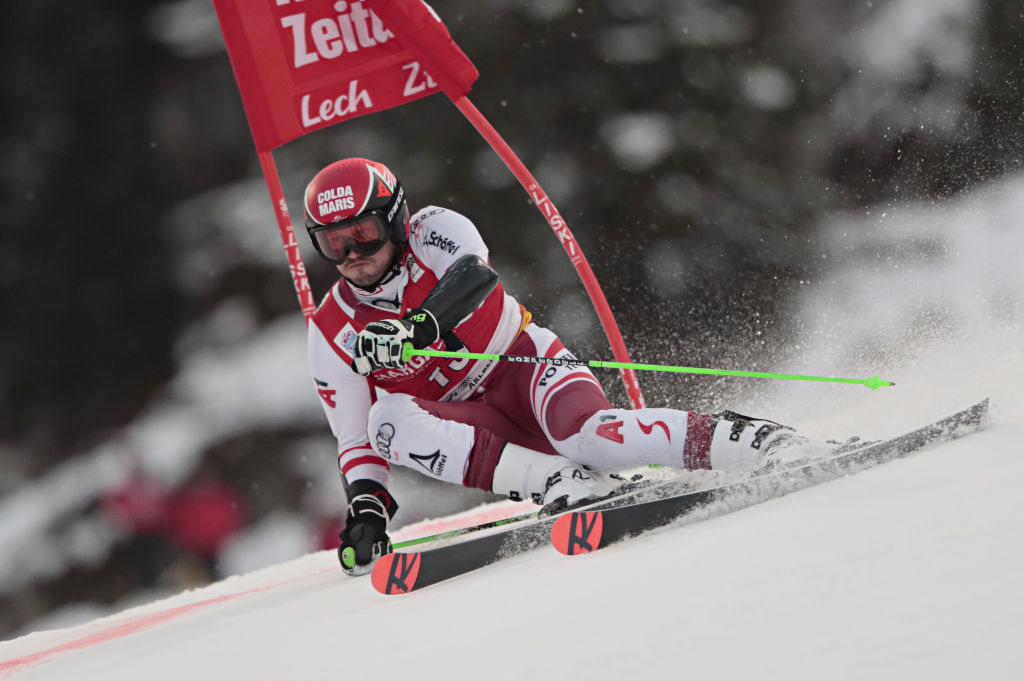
<point x="576" y="533"/>
<point x="396" y="573"/>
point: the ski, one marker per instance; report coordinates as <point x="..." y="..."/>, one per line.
<point x="469" y="529"/>
<point x="403" y="572"/>
<point x="587" y="530"/>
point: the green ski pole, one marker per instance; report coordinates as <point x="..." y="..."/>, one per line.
<point x="408" y="352"/>
<point x="348" y="556"/>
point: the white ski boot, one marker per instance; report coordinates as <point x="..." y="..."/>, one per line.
<point x="550" y="480"/>
<point x="746" y="443"/>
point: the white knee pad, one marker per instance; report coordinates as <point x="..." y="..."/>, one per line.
<point x="405" y="434"/>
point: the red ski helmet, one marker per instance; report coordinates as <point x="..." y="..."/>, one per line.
<point x="355" y="204"/>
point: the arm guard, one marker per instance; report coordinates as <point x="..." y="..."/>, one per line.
<point x="459" y="291"/>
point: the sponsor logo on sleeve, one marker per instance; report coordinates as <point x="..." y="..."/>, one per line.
<point x="415" y="271"/>
<point x="326" y="394"/>
<point x="444" y="243"/>
<point x="346" y="338"/>
<point x="424" y="214"/>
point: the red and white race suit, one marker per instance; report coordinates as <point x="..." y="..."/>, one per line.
<point x="449" y="419"/>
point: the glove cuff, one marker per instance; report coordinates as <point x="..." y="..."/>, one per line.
<point x="425" y="329"/>
<point x="369" y="496"/>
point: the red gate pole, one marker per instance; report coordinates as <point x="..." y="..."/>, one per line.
<point x="568" y="241"/>
<point x="291" y="244"/>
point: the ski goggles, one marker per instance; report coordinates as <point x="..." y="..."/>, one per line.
<point x="365" y="234"/>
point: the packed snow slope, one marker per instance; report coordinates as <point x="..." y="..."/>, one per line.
<point x="911" y="570"/>
<point x="907" y="571"/>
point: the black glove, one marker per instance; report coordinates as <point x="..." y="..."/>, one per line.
<point x="365" y="537"/>
<point x="379" y="344"/>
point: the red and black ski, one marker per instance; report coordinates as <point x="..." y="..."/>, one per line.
<point x="399" y="573"/>
<point x="587" y="530"/>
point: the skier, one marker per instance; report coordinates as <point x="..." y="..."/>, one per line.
<point x="526" y="431"/>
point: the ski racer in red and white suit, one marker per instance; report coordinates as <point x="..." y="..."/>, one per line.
<point x="527" y="431"/>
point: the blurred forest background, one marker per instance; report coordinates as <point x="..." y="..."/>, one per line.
<point x="693" y="146"/>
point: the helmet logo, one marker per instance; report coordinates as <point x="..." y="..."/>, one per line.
<point x="381" y="172"/>
<point x="394" y="207"/>
<point x="334" y="200"/>
<point x="382" y="190"/>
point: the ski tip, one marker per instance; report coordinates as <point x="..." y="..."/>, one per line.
<point x="396" y="573"/>
<point x="577" y="532"/>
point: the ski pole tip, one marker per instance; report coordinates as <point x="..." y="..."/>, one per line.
<point x="875" y="383"/>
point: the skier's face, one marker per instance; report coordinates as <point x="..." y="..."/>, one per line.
<point x="367" y="270"/>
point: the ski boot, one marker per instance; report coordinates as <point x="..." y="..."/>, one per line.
<point x="553" y="481"/>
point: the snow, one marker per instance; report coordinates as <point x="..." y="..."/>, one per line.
<point x="909" y="570"/>
<point x="709" y="24"/>
<point x="166" y="442"/>
<point x="187" y="27"/>
<point x="893" y="42"/>
<point x="928" y="295"/>
<point x="768" y="87"/>
<point x="632" y="44"/>
<point x="639" y="140"/>
<point x="894" y="57"/>
<point x="900" y="572"/>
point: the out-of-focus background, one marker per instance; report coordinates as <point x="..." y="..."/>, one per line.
<point x="718" y="161"/>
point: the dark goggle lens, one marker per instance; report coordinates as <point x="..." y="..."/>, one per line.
<point x="365" y="235"/>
